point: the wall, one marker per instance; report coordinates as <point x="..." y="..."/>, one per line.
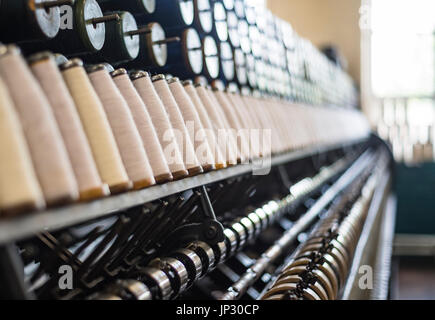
<point x="324" y="22"/>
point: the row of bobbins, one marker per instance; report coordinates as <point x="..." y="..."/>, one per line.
<point x="125" y="123"/>
<point x="319" y="267"/>
<point x="77" y="92"/>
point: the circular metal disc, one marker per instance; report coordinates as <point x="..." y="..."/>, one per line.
<point x="131" y="42"/>
<point x="193" y="50"/>
<point x="149" y="6"/>
<point x="204" y="15"/>
<point x="211" y="57"/>
<point x="186" y="11"/>
<point x="227" y="61"/>
<point x="220" y="21"/>
<point x="48" y="20"/>
<point x="157" y="52"/>
<point x="95" y="32"/>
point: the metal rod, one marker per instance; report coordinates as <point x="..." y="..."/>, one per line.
<point x="107" y="18"/>
<point x="138" y="31"/>
<point x="168" y="40"/>
<point x="12" y="275"/>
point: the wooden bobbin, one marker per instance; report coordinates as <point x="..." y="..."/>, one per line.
<point x="97" y="127"/>
<point x="47" y="149"/>
<point x="162" y="125"/>
<point x="193" y="122"/>
<point x="228" y="146"/>
<point x="124" y="129"/>
<point x="220" y="161"/>
<point x="88" y="179"/>
<point x="269" y="123"/>
<point x="264" y="145"/>
<point x="294" y="128"/>
<point x="190" y="160"/>
<point x="234" y="122"/>
<point x="19" y="188"/>
<point x="144" y="125"/>
<point x="256" y="122"/>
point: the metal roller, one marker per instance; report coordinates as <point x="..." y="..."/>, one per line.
<point x="249" y="228"/>
<point x="153" y="277"/>
<point x="192" y="262"/>
<point x="255" y="219"/>
<point x="176" y="272"/>
<point x="206" y="253"/>
<point x="220" y="252"/>
<point x="240" y="233"/>
<point x="231" y="241"/>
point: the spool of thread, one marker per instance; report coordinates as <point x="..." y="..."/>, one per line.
<point x="49" y="156"/>
<point x="191" y="117"/>
<point x="144" y="125"/>
<point x="121" y="42"/>
<point x="29" y="20"/>
<point x="219" y="159"/>
<point x="226" y="62"/>
<point x="246" y="120"/>
<point x="234" y="121"/>
<point x="161" y="122"/>
<point x="232" y="132"/>
<point x="203" y="16"/>
<point x="153" y="47"/>
<point x="257" y="111"/>
<point x="88" y="30"/>
<point x="210" y="55"/>
<point x="185" y="59"/>
<point x="19" y="188"/>
<point x="183" y="140"/>
<point x="175" y="13"/>
<point x="251" y="108"/>
<point x="86" y="173"/>
<point x="97" y="127"/>
<point x="220" y="26"/>
<point x="140" y="8"/>
<point x="124" y="129"/>
<point x="228" y="145"/>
